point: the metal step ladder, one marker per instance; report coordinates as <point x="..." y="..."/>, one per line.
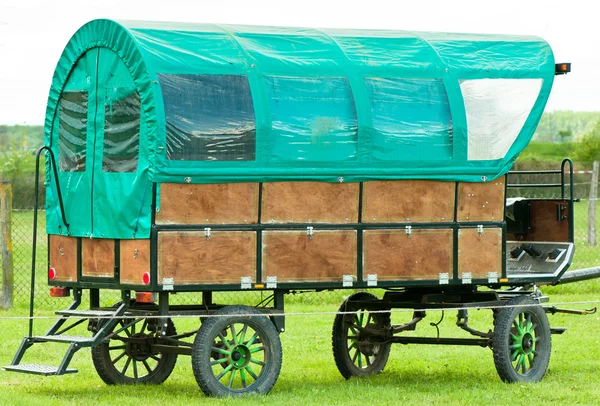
<point x="56" y="335"/>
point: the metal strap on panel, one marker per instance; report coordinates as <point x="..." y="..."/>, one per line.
<point x="271" y="282"/>
<point x="466" y="278"/>
<point x="347" y="281"/>
<point x="372" y="279"/>
<point x="168" y="283"/>
<point x="444" y="278"/>
<point x="246" y="282"/>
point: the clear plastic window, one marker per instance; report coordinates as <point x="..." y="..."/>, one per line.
<point x="209" y="117"/>
<point x="72" y="131"/>
<point x="121" y="131"/>
<point x="411" y="119"/>
<point x="313" y="119"/>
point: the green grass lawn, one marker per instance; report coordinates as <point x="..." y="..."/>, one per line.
<point x="434" y="375"/>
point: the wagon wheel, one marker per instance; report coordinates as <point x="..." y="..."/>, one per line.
<point x="128" y="357"/>
<point x="238" y="352"/>
<point x="522" y="341"/>
<point x="356" y="353"/>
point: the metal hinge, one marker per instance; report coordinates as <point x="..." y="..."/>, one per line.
<point x="444" y="278"/>
<point x="347" y="281"/>
<point x="207" y="233"/>
<point x="408" y="230"/>
<point x="480" y="229"/>
<point x="372" y="279"/>
<point x="246" y="282"/>
<point x="271" y="282"/>
<point x="466" y="278"/>
<point x="309" y="232"/>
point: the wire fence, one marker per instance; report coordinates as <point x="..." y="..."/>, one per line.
<point x="587" y="254"/>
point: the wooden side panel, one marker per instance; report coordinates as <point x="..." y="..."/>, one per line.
<point x="228" y="203"/>
<point x="98" y="257"/>
<point x="478" y="253"/>
<point x="544" y="222"/>
<point x="310" y="202"/>
<point x="408" y="201"/>
<point x="134" y="259"/>
<point x="481" y="201"/>
<point x="191" y="258"/>
<point x="394" y="255"/>
<point x="292" y="256"/>
<point x="63" y="257"/>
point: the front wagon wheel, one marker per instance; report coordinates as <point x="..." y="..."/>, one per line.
<point x="522" y="341"/>
<point x="237" y="352"/>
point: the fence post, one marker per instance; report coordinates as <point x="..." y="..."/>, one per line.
<point x="6" y="300"/>
<point x="592" y="206"/>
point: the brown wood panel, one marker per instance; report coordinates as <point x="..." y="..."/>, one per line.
<point x="191" y="258"/>
<point x="227" y="203"/>
<point x="310" y="202"/>
<point x="480" y="254"/>
<point x="134" y="258"/>
<point x="481" y="201"/>
<point x="408" y="201"/>
<point x="292" y="256"/>
<point x="394" y="255"/>
<point x="544" y="222"/>
<point x="97" y="257"/>
<point x="63" y="257"/>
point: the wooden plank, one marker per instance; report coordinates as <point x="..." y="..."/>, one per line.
<point x="544" y="222"/>
<point x="481" y="201"/>
<point x="478" y="253"/>
<point x="228" y="203"/>
<point x="395" y="255"/>
<point x="293" y="256"/>
<point x="6" y="246"/>
<point x="310" y="202"/>
<point x="98" y="257"/>
<point x="134" y="258"/>
<point x="408" y="201"/>
<point x="63" y="257"/>
<point x="191" y="258"/>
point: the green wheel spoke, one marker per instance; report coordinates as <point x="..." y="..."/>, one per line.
<point x="117" y="347"/>
<point x="361" y="318"/>
<point x="257" y="362"/>
<point x="232" y="377"/>
<point x="252" y="339"/>
<point x="530" y="358"/>
<point x="528" y="323"/>
<point x="515" y="354"/>
<point x="359" y="359"/>
<point x="251" y="372"/>
<point x="518" y="327"/>
<point x="224" y="372"/>
<point x="367" y="360"/>
<point x="243" y="333"/>
<point x="515" y="346"/>
<point x="514" y="337"/>
<point x="233" y="334"/>
<point x="353" y="345"/>
<point x="135" y="370"/>
<point x="219" y="361"/>
<point x="243" y="377"/>
<point x="220" y="350"/>
<point x="224" y="341"/>
<point x="256" y="349"/>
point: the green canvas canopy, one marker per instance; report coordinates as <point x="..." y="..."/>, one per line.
<point x="137" y="103"/>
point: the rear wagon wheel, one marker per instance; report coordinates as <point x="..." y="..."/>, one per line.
<point x="522" y="341"/>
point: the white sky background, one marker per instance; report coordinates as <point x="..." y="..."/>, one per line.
<point x="34" y="33"/>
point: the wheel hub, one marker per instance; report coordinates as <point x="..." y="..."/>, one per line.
<point x="138" y="347"/>
<point x="240" y="356"/>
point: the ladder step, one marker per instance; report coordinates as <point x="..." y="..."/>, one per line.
<point x="64" y="339"/>
<point x="86" y="313"/>
<point x="37" y="369"/>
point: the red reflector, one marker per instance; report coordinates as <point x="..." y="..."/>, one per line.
<point x="52" y="274"/>
<point x="144" y="297"/>
<point x="57" y="291"/>
<point x="146" y="278"/>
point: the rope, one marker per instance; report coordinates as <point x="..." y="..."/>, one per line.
<point x="318" y="313"/>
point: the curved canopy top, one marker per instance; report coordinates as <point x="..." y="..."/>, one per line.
<point x="237" y="103"/>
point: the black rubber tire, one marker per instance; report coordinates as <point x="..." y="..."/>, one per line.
<point x="533" y="368"/>
<point x="339" y="341"/>
<point x="112" y="376"/>
<point x="203" y="354"/>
